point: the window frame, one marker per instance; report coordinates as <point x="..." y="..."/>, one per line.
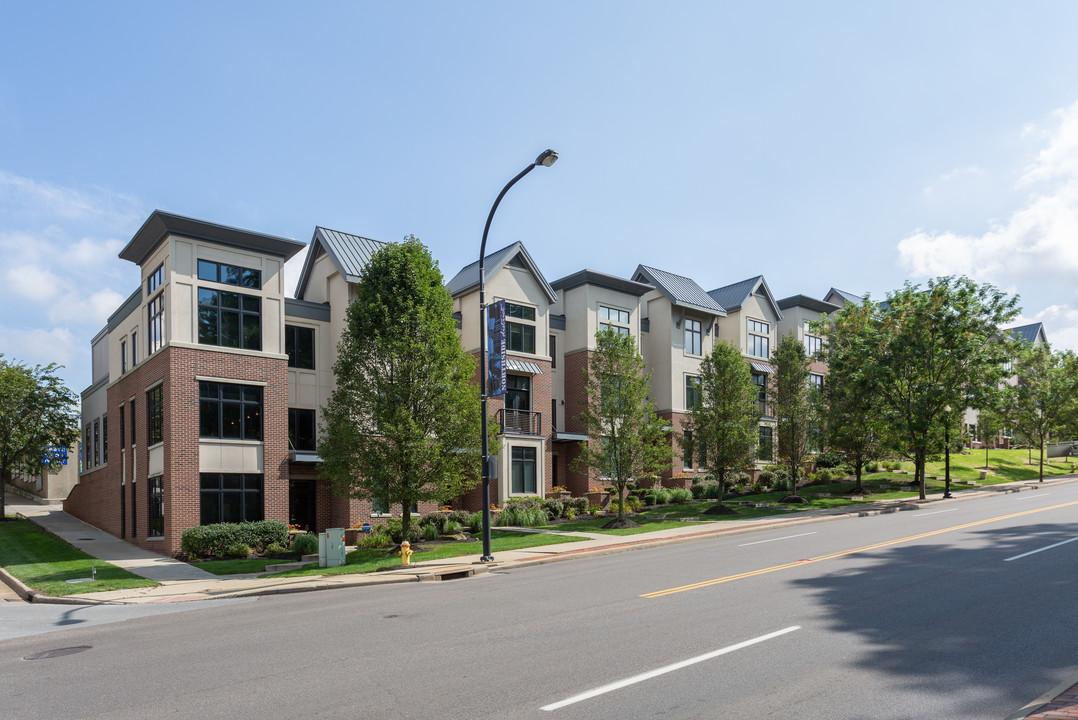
<point x="520" y="328"/>
<point x="220" y="402"/>
<point x="620" y="323"/>
<point x="155" y="323"/>
<point x="692" y="391"/>
<point x="155" y="415"/>
<point x="759" y="338"/>
<point x="694" y="337"/>
<point x="523" y="463"/>
<point x="293" y="429"/>
<point x="770" y="444"/>
<point x="241" y="280"/>
<point x="219" y="312"/>
<point x="255" y="495"/>
<point x="292" y="340"/>
<point x="155" y="507"/>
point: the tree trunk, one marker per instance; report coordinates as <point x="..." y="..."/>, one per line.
<point x="1042" y="460"/>
<point x="857" y="489"/>
<point x="621" y="500"/>
<point x="919" y="471"/>
<point x="406" y="519"/>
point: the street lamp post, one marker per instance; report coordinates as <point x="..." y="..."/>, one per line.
<point x="546" y="159"/>
<point x="947" y="452"/>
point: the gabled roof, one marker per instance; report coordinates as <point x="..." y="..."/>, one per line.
<point x="468" y="278"/>
<point x="732" y="297"/>
<point x="1032" y="333"/>
<point x="679" y="290"/>
<point x="834" y="295"/>
<point x="807" y="302"/>
<point x="160" y="224"/>
<point x="349" y="254"/>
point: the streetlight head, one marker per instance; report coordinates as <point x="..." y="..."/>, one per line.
<point x="547" y="158"/>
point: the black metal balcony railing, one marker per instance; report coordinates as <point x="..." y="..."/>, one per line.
<point x="520" y="422"/>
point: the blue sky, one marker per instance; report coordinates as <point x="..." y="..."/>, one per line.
<point x="854" y="145"/>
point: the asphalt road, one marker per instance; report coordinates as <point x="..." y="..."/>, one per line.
<point x="932" y="613"/>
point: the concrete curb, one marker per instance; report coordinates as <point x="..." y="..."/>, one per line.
<point x="1044" y="699"/>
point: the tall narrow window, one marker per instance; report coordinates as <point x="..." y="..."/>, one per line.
<point x="156" y="507"/>
<point x="765" y="448"/>
<point x="301" y="429"/>
<point x="97" y="443"/>
<point x="694" y="343"/>
<point x="123" y="427"/>
<point x="692" y="391"/>
<point x="686" y="449"/>
<point x="86" y="447"/>
<point x="133" y="436"/>
<point x="155" y="416"/>
<point x="813" y="343"/>
<point x="761" y="392"/>
<point x="154" y="279"/>
<point x="553" y="351"/>
<point x="523" y="471"/>
<point x="155" y="315"/>
<point x="134" y="510"/>
<point x="105" y="439"/>
<point x="123" y="356"/>
<point x="299" y="346"/>
<point x="134" y="349"/>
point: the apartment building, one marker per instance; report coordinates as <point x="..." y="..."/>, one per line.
<point x="211" y="381"/>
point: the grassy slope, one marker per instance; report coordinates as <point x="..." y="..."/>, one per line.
<point x="44" y="562"/>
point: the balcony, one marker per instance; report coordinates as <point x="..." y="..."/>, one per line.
<point x="520" y="422"/>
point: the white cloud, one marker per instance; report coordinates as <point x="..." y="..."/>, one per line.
<point x="90" y="311"/>
<point x="39" y="346"/>
<point x="953" y="176"/>
<point x="1033" y="249"/>
<point x="32" y="282"/>
<point x="28" y="198"/>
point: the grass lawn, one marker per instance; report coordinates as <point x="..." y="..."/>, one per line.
<point x="236" y="567"/>
<point x="363" y="560"/>
<point x="44" y="562"/>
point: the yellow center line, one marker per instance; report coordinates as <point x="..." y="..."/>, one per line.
<point x="799" y="563"/>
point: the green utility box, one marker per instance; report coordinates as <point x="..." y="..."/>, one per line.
<point x="331" y="547"/>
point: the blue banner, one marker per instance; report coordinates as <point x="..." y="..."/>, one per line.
<point x="496" y="348"/>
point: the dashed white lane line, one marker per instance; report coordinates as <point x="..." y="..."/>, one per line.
<point x="1034" y="552"/>
<point x="667" y="669"/>
<point x="774" y="539"/>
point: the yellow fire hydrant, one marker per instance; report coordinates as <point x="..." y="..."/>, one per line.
<point x="406" y="553"/>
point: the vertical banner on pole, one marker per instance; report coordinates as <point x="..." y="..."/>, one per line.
<point x="496" y="348"/>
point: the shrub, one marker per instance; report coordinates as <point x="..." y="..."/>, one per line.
<point x="757" y="488"/>
<point x="579" y="505"/>
<point x="214" y="540"/>
<point x="872" y="466"/>
<point x="830" y="459"/>
<point x="554" y="509"/>
<point x="238" y="550"/>
<point x="305" y="544"/>
<point x="522" y="512"/>
<point x="452" y="527"/>
<point x="712" y="491"/>
<point x="651" y="498"/>
<point x="429" y="531"/>
<point x="765" y="479"/>
<point x="823" y="475"/>
<point x="680" y="495"/>
<point x="378" y="537"/>
<point x="594" y="510"/>
<point x="395" y="528"/>
<point x="698" y="490"/>
<point x="275" y="550"/>
<point x="475" y="523"/>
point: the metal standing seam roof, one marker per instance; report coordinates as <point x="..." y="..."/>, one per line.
<point x="734" y="296"/>
<point x="848" y="297"/>
<point x="679" y="290"/>
<point x="1029" y="333"/>
<point x="349" y="254"/>
<point x="468" y="277"/>
<point x="761" y="367"/>
<point x="522" y="366"/>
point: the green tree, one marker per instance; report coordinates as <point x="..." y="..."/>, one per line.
<point x="36" y="411"/>
<point x="724" y="422"/>
<point x="849" y="410"/>
<point x="989" y="422"/>
<point x="403" y="423"/>
<point x="931" y="348"/>
<point x="625" y="437"/>
<point x="1044" y="396"/>
<point x="793" y="405"/>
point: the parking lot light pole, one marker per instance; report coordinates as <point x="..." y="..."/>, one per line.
<point x="546" y="159"/>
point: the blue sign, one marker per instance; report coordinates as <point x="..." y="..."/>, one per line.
<point x="54" y="454"/>
<point x="366" y="527"/>
<point x="496" y="348"/>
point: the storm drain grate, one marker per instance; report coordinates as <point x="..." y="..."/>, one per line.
<point x="57" y="652"/>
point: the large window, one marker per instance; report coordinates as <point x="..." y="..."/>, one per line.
<point x="813" y="343"/>
<point x="759" y="339"/>
<point x="155" y="313"/>
<point x="765" y="450"/>
<point x="229" y="274"/>
<point x="299" y="345"/>
<point x="156" y="510"/>
<point x="615" y="318"/>
<point x="301" y="429"/>
<point x="523" y="471"/>
<point x="760" y="380"/>
<point x="229" y="319"/>
<point x="692" y="391"/>
<point x="230" y="497"/>
<point x="686" y="449"/>
<point x="520" y="328"/>
<point x="229" y="411"/>
<point x="155" y="416"/>
<point x="815" y="381"/>
<point x="693" y="337"/>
